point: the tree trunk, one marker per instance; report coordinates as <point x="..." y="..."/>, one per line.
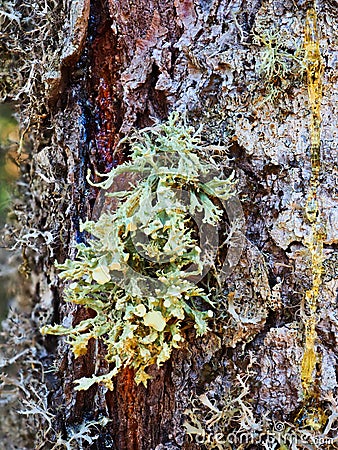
<point x="91" y="73"/>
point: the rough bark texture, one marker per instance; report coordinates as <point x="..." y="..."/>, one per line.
<point x="114" y="65"/>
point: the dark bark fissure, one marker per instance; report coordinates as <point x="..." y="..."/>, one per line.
<point x="104" y="89"/>
<point x="140" y="417"/>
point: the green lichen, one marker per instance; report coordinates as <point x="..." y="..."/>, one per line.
<point x="277" y="66"/>
<point x="140" y="268"/>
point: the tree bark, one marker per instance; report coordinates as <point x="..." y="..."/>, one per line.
<point x="119" y="66"/>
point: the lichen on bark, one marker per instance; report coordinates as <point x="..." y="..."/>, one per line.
<point x="129" y="65"/>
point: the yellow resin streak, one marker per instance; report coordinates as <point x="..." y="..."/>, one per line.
<point x="314" y="70"/>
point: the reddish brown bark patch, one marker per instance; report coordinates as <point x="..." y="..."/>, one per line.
<point x="142" y="417"/>
<point x="104" y="89"/>
<point x="129" y="47"/>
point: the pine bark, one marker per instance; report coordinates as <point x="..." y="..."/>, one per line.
<point x="124" y="63"/>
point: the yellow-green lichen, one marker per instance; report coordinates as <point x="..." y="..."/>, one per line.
<point x="277" y="66"/>
<point x="140" y="268"/>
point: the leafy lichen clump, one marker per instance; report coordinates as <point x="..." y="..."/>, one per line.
<point x="140" y="268"/>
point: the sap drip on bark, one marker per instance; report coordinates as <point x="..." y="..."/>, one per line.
<point x="211" y="414"/>
<point x="311" y="413"/>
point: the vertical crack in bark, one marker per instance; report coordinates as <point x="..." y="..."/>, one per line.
<point x="126" y="52"/>
<point x="104" y="88"/>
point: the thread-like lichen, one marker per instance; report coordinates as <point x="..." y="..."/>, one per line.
<point x="278" y="67"/>
<point x="140" y="267"/>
